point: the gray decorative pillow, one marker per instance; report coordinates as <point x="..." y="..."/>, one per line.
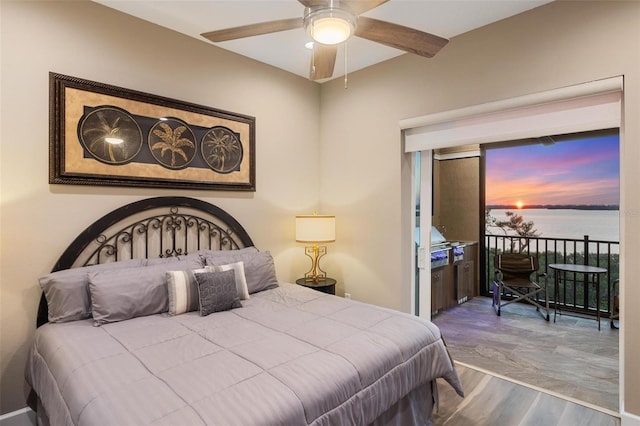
<point x="67" y="291"/>
<point x="162" y="260"/>
<point x="217" y="291"/>
<point x="260" y="272"/>
<point x="128" y="293"/>
<point x="259" y="269"/>
<point x="220" y="257"/>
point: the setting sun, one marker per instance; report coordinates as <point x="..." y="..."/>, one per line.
<point x="519" y="204"/>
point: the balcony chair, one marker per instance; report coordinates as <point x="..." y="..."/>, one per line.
<point x="514" y="273"/>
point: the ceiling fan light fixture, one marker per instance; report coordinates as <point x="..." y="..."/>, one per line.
<point x="329" y="25"/>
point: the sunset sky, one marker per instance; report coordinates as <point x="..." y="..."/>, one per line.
<point x="585" y="171"/>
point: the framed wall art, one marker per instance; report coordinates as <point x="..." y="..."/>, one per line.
<point x="106" y="135"/>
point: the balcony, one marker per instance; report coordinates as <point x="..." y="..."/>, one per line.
<point x="574" y="296"/>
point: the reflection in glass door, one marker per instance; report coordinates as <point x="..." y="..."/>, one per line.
<point x="422" y="191"/>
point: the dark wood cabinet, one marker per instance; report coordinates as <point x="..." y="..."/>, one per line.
<point x="438" y="278"/>
<point x="471" y="255"/>
<point x="456" y="282"/>
<point x="464" y="280"/>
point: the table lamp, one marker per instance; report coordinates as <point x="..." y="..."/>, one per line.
<point x="315" y="229"/>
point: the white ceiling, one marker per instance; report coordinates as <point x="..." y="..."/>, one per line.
<point x="286" y="50"/>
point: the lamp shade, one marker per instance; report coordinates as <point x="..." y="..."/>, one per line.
<point x="315" y="229"/>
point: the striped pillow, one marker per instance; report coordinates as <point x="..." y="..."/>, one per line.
<point x="183" y="291"/>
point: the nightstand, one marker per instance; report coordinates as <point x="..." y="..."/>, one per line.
<point x="326" y="285"/>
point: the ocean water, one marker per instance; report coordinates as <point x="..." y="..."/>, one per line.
<point x="601" y="225"/>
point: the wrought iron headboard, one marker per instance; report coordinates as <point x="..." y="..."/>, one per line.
<point x="154" y="227"/>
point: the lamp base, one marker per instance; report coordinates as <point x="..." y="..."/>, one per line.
<point x="315" y="253"/>
<point x="319" y="279"/>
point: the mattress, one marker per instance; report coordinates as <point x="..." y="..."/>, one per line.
<point x="289" y="355"/>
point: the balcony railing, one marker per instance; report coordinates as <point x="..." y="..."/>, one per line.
<point x="574" y="294"/>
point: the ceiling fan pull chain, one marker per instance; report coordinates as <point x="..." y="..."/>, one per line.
<point x="313" y="60"/>
<point x="345" y="65"/>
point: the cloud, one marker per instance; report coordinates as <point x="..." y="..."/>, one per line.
<point x="578" y="172"/>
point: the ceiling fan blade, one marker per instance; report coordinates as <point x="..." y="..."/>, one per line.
<point x="403" y="38"/>
<point x="323" y="61"/>
<point x="253" y="30"/>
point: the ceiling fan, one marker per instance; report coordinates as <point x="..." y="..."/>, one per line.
<point x="331" y="22"/>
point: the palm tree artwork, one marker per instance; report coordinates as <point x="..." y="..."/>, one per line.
<point x="173" y="137"/>
<point x="104" y="124"/>
<point x="222" y="150"/>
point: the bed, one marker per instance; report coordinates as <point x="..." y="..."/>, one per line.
<point x="163" y="312"/>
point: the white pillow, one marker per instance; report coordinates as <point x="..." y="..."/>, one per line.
<point x="241" y="280"/>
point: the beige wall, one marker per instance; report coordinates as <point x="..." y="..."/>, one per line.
<point x="365" y="174"/>
<point x="361" y="175"/>
<point x="89" y="41"/>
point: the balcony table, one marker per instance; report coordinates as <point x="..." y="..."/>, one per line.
<point x="587" y="270"/>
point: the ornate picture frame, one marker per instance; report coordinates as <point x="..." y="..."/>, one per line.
<point x="107" y="135"/>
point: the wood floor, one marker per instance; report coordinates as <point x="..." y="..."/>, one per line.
<point x="492" y="401"/>
<point x="569" y="359"/>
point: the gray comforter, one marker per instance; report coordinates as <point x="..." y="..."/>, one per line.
<point x="290" y="356"/>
